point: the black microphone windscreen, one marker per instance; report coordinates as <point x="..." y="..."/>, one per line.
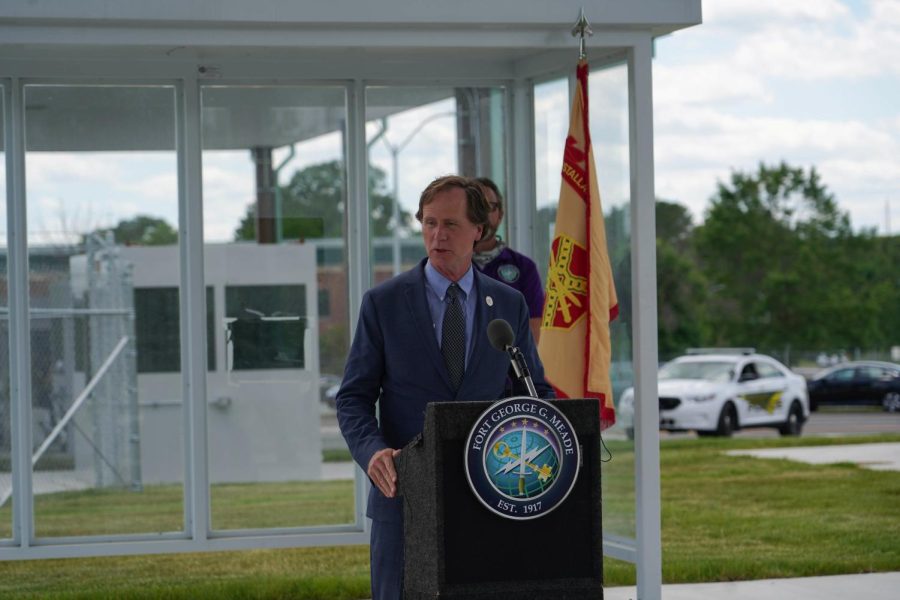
<point x="500" y="334"/>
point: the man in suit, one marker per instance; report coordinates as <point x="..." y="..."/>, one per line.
<point x="421" y="337"/>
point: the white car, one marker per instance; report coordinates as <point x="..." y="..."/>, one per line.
<point x="719" y="393"/>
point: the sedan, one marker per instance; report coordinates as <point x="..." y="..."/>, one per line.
<point x="857" y="383"/>
<point x="717" y="393"/>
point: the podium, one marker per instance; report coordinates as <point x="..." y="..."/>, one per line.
<point x="457" y="549"/>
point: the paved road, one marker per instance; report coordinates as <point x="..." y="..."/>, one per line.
<point x="819" y="423"/>
<point x="823" y="423"/>
<point x="846" y="422"/>
<point x="839" y="423"/>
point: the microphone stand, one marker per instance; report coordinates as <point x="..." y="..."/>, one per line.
<point x="521" y="369"/>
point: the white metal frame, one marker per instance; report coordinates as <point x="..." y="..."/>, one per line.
<point x="359" y="246"/>
<point x="643" y="269"/>
<point x="301" y="50"/>
<point x="19" y="333"/>
<point x="198" y="534"/>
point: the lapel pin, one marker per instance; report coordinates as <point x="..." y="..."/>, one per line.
<point x="489" y="300"/>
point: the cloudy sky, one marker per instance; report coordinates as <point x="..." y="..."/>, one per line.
<point x="810" y="82"/>
<point x="814" y="83"/>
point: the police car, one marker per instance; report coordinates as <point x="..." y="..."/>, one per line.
<point x="718" y="391"/>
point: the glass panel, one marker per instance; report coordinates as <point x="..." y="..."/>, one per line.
<point x="157" y="327"/>
<point x="5" y="404"/>
<point x="608" y="110"/>
<point x="274" y="189"/>
<point x="551" y="125"/>
<point x="258" y="342"/>
<point x="101" y="177"/>
<point x="414" y="135"/>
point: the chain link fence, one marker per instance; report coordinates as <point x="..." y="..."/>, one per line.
<point x="85" y="429"/>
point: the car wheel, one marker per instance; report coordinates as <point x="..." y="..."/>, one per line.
<point x="891" y="402"/>
<point x="728" y="422"/>
<point x="793" y="425"/>
<point x="629" y="433"/>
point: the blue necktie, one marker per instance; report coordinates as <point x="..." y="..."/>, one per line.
<point x="453" y="336"/>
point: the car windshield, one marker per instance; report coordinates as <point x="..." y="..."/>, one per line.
<point x="708" y="370"/>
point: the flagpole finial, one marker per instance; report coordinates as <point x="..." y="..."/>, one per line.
<point x="581" y="28"/>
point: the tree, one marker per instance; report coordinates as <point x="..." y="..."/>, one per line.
<point x="617" y="223"/>
<point x="775" y="265"/>
<point x="313" y="204"/>
<point x="680" y="285"/>
<point x="773" y="250"/>
<point x="674" y="224"/>
<point x="142" y="230"/>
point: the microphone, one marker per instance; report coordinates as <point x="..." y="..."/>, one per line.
<point x="500" y="334"/>
<point x="501" y="337"/>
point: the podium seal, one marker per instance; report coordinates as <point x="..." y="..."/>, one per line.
<point x="522" y="458"/>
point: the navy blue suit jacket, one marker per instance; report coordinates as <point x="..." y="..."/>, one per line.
<point x="395" y="360"/>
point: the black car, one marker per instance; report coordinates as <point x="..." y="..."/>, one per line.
<point x="857" y="383"/>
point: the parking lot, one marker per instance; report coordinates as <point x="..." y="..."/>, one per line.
<point x="839" y="423"/>
<point x="823" y="422"/>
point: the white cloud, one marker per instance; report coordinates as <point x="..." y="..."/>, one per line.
<point x="228" y="188"/>
<point x="696" y="148"/>
<point x="890" y="124"/>
<point x="742" y="46"/>
<point x="744" y="13"/>
<point x="734" y="95"/>
<point x="798" y="51"/>
<point x="708" y="135"/>
<point x="156" y="194"/>
<point x="62" y="168"/>
<point x="425" y="141"/>
<point x="320" y="149"/>
<point x="886" y="11"/>
<point x="73" y="193"/>
<point x="709" y="82"/>
<point x="810" y="39"/>
<point x="551" y="113"/>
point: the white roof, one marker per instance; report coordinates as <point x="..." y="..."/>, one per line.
<point x="387" y="30"/>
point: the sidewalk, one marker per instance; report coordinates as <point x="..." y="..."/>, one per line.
<point x="870" y="586"/>
<point x="881" y="457"/>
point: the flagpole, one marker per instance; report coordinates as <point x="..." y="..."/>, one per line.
<point x="574" y="345"/>
<point x="580" y="29"/>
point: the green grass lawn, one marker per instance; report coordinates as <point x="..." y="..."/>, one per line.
<point x="724" y="518"/>
<point x="733" y="518"/>
<point x="159" y="508"/>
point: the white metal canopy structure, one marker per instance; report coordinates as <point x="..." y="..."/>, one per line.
<point x="177" y="85"/>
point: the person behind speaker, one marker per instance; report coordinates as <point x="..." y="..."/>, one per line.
<point x="396" y="360"/>
<point x="496" y="259"/>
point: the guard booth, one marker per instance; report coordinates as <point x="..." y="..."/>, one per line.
<point x="180" y="129"/>
<point x="262" y="355"/>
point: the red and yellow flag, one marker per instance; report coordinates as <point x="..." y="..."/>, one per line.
<point x="581" y="296"/>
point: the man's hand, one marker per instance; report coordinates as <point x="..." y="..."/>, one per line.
<point x="382" y="472"/>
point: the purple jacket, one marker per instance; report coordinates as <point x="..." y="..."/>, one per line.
<point x="517" y="270"/>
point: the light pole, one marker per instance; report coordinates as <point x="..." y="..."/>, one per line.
<point x="395" y="150"/>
